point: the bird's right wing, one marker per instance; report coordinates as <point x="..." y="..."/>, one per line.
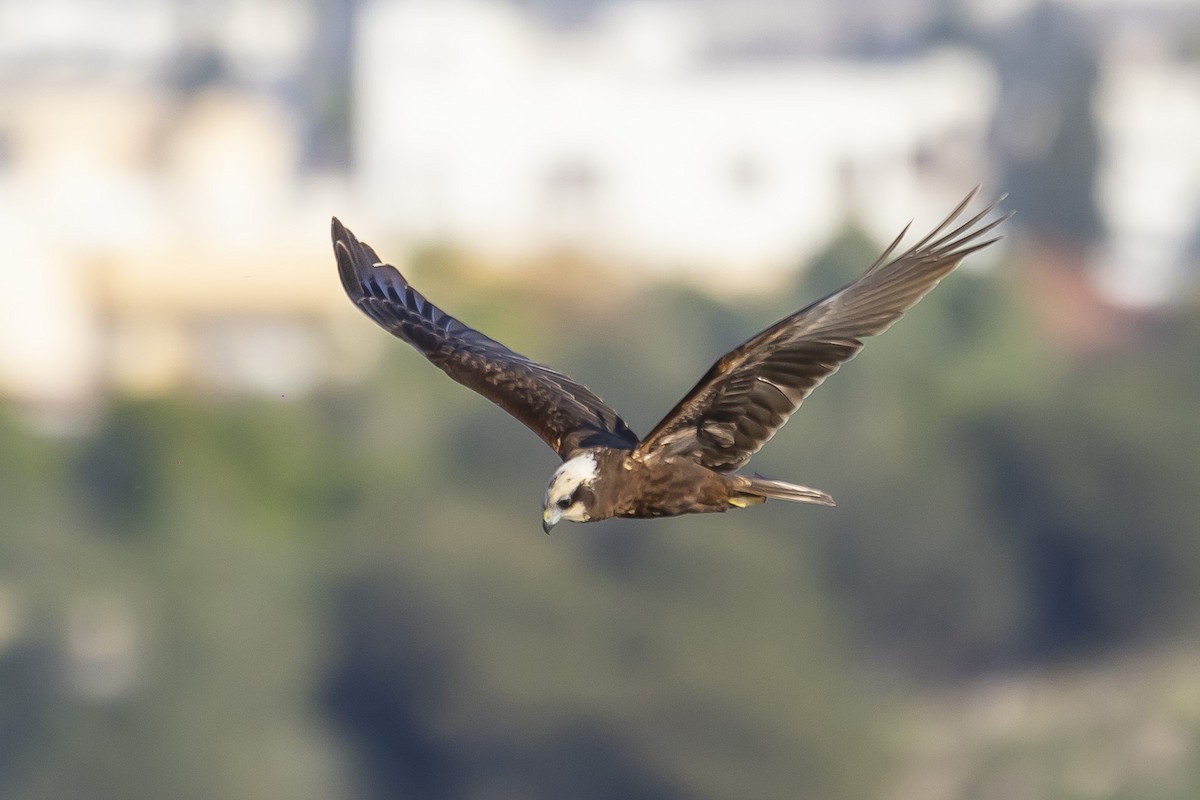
<point x="565" y="414"/>
<point x="756" y="387"/>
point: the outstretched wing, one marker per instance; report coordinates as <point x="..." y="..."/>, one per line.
<point x="752" y="391"/>
<point x="564" y="413"/>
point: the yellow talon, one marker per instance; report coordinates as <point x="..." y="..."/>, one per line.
<point x="746" y="500"/>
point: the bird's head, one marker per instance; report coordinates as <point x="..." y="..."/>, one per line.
<point x="569" y="494"/>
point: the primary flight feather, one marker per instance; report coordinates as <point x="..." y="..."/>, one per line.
<point x="686" y="464"/>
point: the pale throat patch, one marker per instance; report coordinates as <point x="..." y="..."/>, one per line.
<point x="578" y="470"/>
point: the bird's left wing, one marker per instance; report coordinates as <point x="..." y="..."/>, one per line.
<point x="564" y="413"/>
<point x="754" y="389"/>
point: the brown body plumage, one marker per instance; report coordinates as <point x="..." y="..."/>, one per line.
<point x="627" y="485"/>
<point x="687" y="464"/>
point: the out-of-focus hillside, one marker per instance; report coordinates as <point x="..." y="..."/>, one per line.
<point x="1123" y="726"/>
<point x="349" y="595"/>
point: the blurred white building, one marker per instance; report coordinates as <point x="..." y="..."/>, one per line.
<point x="1149" y="183"/>
<point x="150" y="208"/>
<point x="477" y="126"/>
<point x="164" y="226"/>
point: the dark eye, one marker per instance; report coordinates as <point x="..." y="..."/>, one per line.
<point x="564" y="503"/>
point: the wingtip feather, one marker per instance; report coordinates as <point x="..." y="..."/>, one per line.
<point x="338" y="232"/>
<point x="350" y="254"/>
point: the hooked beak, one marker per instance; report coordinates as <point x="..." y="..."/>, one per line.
<point x="550" y="518"/>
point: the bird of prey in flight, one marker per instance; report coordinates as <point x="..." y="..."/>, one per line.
<point x="688" y="463"/>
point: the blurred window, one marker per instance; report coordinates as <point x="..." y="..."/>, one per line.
<point x="573" y="180"/>
<point x="746" y="175"/>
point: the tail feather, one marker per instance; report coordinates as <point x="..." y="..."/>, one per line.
<point x="748" y="490"/>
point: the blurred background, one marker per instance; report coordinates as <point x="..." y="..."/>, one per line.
<point x="251" y="547"/>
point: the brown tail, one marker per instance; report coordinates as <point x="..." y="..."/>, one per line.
<point x="749" y="491"/>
